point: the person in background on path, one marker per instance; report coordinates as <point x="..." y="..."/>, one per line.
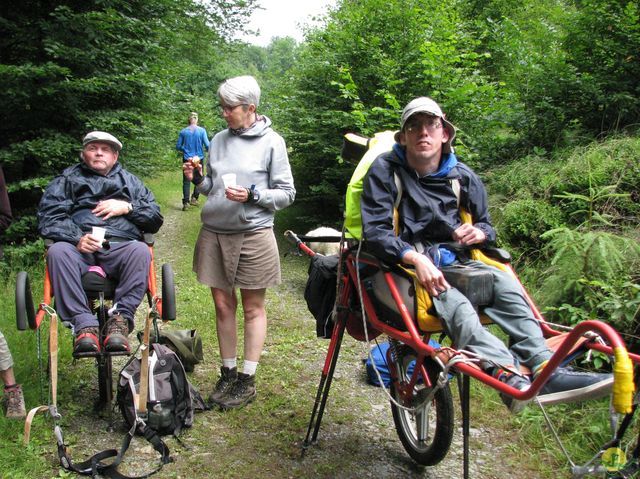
<point x="429" y="211"/>
<point x="236" y="247"/>
<point x="190" y="142"/>
<point x="98" y="192"/>
<point x="12" y="399"/>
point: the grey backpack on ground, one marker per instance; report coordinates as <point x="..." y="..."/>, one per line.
<point x="172" y="399"/>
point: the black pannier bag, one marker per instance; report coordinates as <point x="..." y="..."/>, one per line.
<point x="320" y="292"/>
<point x="476" y="285"/>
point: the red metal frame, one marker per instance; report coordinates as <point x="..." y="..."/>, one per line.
<point x="420" y="341"/>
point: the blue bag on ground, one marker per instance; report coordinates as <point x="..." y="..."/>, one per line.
<point x="379" y="355"/>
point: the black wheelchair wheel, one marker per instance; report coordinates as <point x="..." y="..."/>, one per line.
<point x="25" y="312"/>
<point x="168" y="293"/>
<point x="425" y="428"/>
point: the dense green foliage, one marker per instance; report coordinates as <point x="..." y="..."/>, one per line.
<point x="545" y="95"/>
<point x="515" y="77"/>
<point x="530" y="84"/>
<point x="131" y="68"/>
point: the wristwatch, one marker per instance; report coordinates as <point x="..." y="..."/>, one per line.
<point x="253" y="195"/>
<point x="130" y="207"/>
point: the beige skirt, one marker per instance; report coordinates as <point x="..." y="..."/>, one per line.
<point x="239" y="260"/>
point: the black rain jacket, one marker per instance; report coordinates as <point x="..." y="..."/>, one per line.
<point x="64" y="213"/>
<point x="428" y="210"/>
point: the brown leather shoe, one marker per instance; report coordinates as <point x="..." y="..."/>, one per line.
<point x="228" y="377"/>
<point x="242" y="392"/>
<point x="14" y="403"/>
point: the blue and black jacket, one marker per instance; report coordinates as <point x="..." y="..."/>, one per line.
<point x="429" y="210"/>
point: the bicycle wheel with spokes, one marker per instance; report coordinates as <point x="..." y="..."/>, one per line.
<point x="425" y="427"/>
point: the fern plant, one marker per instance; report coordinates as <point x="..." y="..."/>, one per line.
<point x="592" y="205"/>
<point x="590" y="270"/>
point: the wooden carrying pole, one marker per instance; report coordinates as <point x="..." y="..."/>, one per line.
<point x="144" y="369"/>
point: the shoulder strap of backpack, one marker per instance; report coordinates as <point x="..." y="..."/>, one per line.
<point x="396" y="204"/>
<point x="94" y="465"/>
<point x="455" y="185"/>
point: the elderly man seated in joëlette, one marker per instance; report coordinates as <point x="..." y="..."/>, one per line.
<point x="98" y="192"/>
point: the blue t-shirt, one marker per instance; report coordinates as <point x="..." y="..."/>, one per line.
<point x="190" y="142"/>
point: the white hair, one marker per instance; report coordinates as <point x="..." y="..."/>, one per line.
<point x="239" y="91"/>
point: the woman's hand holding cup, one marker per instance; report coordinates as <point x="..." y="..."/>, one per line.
<point x="236" y="193"/>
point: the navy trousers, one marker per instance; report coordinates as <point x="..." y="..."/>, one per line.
<point x="127" y="262"/>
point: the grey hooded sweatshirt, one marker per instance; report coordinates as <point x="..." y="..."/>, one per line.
<point x="258" y="157"/>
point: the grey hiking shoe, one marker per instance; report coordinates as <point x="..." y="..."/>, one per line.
<point x="242" y="392"/>
<point x="567" y="385"/>
<point x="14" y="403"/>
<point x="228" y="377"/>
<point x="521" y="383"/>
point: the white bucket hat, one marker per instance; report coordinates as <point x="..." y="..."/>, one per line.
<point x="426" y="105"/>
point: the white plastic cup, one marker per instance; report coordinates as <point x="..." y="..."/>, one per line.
<point x="229" y="180"/>
<point x="98" y="233"/>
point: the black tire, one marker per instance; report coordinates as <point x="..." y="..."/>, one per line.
<point x="433" y="419"/>
<point x="25" y="313"/>
<point x="168" y="293"/>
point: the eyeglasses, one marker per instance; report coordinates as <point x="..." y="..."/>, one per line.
<point x="431" y="124"/>
<point x="229" y="109"/>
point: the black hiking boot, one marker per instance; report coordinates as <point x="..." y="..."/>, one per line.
<point x="242" y="392"/>
<point x="86" y="342"/>
<point x="228" y="377"/>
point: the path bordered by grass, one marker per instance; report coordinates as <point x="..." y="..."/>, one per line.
<point x="263" y="440"/>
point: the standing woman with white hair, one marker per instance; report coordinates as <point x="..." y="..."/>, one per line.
<point x="236" y="247"/>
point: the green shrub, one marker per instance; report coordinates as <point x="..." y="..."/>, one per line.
<point x="527" y="177"/>
<point x="523" y="222"/>
<point x="17" y="258"/>
<point x="585" y="265"/>
<point x="603" y="177"/>
<point x="616" y="302"/>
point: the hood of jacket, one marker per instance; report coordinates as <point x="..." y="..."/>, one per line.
<point x="447" y="162"/>
<point x="260" y="128"/>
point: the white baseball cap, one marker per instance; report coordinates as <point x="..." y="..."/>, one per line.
<point x="102" y="136"/>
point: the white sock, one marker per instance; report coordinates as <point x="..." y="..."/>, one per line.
<point x="230" y="363"/>
<point x="249" y="367"/>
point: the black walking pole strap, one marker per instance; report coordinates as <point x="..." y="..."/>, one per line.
<point x="94" y="465"/>
<point x="91" y="467"/>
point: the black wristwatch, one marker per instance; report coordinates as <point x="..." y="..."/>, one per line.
<point x="252" y="194"/>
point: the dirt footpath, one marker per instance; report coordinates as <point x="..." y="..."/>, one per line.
<point x="357" y="438"/>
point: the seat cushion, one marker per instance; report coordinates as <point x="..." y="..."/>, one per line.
<point x="94" y="283"/>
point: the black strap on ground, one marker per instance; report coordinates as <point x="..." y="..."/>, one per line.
<point x="95" y="466"/>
